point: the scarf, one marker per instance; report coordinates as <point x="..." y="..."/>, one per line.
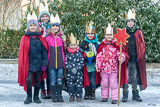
<point x="72" y="50"/>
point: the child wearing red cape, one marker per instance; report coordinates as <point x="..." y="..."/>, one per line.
<point x="136" y="64"/>
<point x="32" y="59"/>
<point x="107" y="59"/>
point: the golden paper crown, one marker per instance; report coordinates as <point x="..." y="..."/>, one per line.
<point x="130" y="15"/>
<point x="55" y="19"/>
<point x="89" y="28"/>
<point x="108" y="30"/>
<point x="33" y="16"/>
<point x="72" y="39"/>
<point x="43" y="8"/>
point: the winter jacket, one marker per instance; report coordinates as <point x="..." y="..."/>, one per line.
<point x="113" y="55"/>
<point x="132" y="46"/>
<point x="56" y="57"/>
<point x="85" y="46"/>
<point x="37" y="52"/>
<point x="75" y="60"/>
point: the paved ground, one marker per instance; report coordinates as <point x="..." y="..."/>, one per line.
<point x="12" y="95"/>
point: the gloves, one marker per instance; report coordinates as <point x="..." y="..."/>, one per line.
<point x="94" y="59"/>
<point x="86" y="59"/>
<point x="44" y="68"/>
<point x="74" y="70"/>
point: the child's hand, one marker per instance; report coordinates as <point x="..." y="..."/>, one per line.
<point x="44" y="68"/>
<point x="120" y="60"/>
<point x="98" y="70"/>
<point x="63" y="37"/>
<point x="74" y="70"/>
<point x="40" y="29"/>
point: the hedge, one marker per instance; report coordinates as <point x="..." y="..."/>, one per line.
<point x="75" y="13"/>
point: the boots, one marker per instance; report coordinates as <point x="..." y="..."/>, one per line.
<point x="29" y="96"/>
<point x="36" y="93"/>
<point x="92" y="94"/>
<point x="43" y="94"/>
<point x="72" y="97"/>
<point x="114" y="102"/>
<point x="54" y="95"/>
<point x="86" y="96"/>
<point x="59" y="93"/>
<point x="104" y="100"/>
<point x="125" y="95"/>
<point x="136" y="96"/>
<point x="78" y="99"/>
<point x="49" y="94"/>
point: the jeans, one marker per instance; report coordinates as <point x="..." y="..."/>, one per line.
<point x="56" y="76"/>
<point x="42" y="84"/>
<point x="92" y="80"/>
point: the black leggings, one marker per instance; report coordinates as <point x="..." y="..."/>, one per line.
<point x="36" y="79"/>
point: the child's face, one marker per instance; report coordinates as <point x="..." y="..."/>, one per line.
<point x="33" y="28"/>
<point x="73" y="45"/>
<point x="130" y="23"/>
<point x="55" y="28"/>
<point x="109" y="37"/>
<point x="90" y="36"/>
<point x="44" y="18"/>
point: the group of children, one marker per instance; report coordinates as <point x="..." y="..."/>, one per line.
<point x="43" y="53"/>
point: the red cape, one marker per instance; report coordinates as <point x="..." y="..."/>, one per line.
<point x="140" y="48"/>
<point x="85" y="75"/>
<point x="23" y="62"/>
<point x="123" y="66"/>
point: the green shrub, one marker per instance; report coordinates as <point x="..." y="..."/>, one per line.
<point x="10" y="40"/>
<point x="75" y="13"/>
